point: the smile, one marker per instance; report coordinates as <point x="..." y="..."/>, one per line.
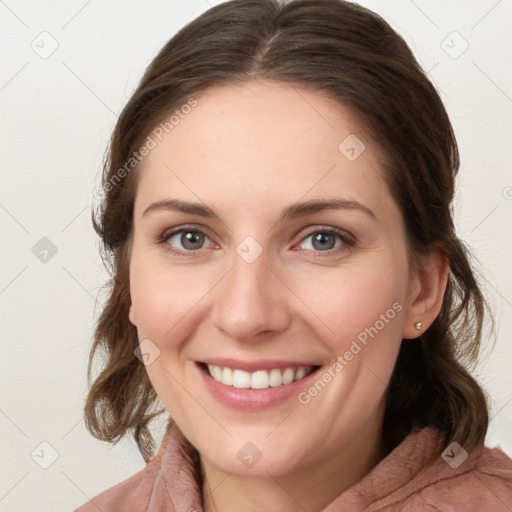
<point x="254" y="385"/>
<point x="260" y="379"/>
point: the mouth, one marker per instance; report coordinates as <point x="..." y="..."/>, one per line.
<point x="258" y="380"/>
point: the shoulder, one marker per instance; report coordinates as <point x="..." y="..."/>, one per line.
<point x="486" y="484"/>
<point x="167" y="482"/>
<point x="132" y="494"/>
<point x="482" y="482"/>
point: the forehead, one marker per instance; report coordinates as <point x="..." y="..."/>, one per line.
<point x="261" y="140"/>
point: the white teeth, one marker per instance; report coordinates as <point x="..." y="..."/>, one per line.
<point x="275" y="378"/>
<point x="300" y="374"/>
<point x="227" y="376"/>
<point x="261" y="379"/>
<point x="288" y="376"/>
<point x="216" y="372"/>
<point x="241" y="379"/>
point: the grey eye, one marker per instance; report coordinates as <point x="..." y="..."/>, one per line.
<point x="323" y="241"/>
<point x="189" y="240"/>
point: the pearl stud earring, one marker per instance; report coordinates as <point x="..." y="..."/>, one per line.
<point x="418" y="326"/>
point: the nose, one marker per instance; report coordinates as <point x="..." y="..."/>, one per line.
<point x="252" y="301"/>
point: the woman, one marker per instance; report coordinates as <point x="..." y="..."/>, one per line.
<point x="287" y="280"/>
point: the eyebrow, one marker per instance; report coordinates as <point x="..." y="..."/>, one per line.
<point x="293" y="211"/>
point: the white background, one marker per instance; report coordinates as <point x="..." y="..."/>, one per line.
<point x="57" y="114"/>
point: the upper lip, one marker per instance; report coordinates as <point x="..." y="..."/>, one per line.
<point x="253" y="366"/>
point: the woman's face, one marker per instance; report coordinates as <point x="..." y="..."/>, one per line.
<point x="254" y="280"/>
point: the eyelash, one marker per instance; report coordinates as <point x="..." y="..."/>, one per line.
<point x="347" y="239"/>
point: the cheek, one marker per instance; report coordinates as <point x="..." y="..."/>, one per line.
<point x="356" y="302"/>
<point x="164" y="298"/>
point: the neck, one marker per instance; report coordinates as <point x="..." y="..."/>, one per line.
<point x="311" y="487"/>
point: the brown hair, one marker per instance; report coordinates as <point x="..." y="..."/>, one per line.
<point x="352" y="55"/>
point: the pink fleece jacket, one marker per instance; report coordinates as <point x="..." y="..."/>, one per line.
<point x="399" y="482"/>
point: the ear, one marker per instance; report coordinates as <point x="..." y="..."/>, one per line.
<point x="131" y="315"/>
<point x="426" y="292"/>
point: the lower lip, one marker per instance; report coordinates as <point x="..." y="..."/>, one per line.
<point x="253" y="399"/>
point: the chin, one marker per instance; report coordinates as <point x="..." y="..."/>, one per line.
<point x="254" y="459"/>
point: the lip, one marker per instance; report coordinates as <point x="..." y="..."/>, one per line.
<point x="253" y="399"/>
<point x="253" y="366"/>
